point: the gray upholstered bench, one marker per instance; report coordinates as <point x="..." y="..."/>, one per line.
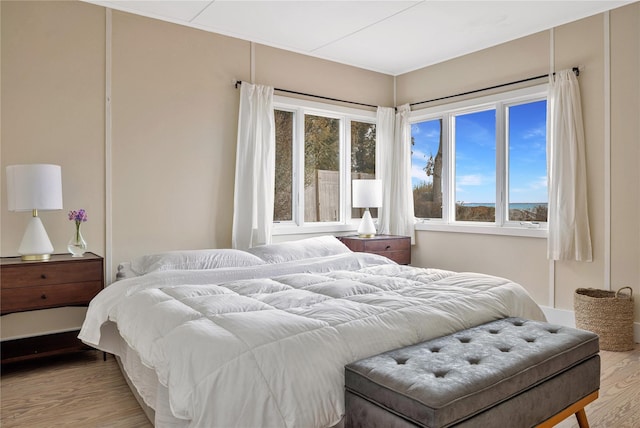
<point x="506" y="373"/>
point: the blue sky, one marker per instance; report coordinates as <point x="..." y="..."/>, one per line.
<point x="476" y="154"/>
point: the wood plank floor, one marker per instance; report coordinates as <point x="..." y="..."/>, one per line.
<point x="76" y="390"/>
<point x="619" y="403"/>
<point x="81" y="390"/>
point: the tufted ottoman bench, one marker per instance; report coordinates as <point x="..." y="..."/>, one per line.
<point x="506" y="373"/>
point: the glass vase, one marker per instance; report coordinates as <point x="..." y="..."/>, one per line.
<point x="77" y="245"/>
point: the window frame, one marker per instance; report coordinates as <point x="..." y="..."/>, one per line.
<point x="300" y="108"/>
<point x="446" y="112"/>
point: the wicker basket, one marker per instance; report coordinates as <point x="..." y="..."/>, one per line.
<point x="609" y="314"/>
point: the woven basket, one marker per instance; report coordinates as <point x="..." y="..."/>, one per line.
<point x="609" y="314"/>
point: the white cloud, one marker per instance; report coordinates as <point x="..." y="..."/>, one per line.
<point x="419" y="155"/>
<point x="539" y="132"/>
<point x="433" y="135"/>
<point x="418" y="173"/>
<point x="470" y="180"/>
<point x="540" y="183"/>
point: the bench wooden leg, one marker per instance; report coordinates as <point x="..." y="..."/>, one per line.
<point x="576" y="408"/>
<point x="582" y="419"/>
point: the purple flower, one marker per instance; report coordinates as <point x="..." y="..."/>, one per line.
<point x="79" y="216"/>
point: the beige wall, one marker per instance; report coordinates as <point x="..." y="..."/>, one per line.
<point x="174" y="119"/>
<point x="173" y="143"/>
<point x="53" y="111"/>
<point x="625" y="150"/>
<point x="283" y="69"/>
<point x="524" y="259"/>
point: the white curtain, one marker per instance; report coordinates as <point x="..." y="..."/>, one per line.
<point x="569" y="235"/>
<point x="255" y="168"/>
<point x="393" y="139"/>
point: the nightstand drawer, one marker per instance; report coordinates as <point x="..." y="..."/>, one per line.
<point x="400" y="257"/>
<point x="48" y="296"/>
<point x="384" y="245"/>
<point x="394" y="247"/>
<point x="16" y="276"/>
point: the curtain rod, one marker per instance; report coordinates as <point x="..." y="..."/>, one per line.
<point x="576" y="70"/>
<point x="239" y="82"/>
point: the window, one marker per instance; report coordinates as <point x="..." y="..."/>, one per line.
<point x="363" y="157"/>
<point x="426" y="167"/>
<point x="527" y="162"/>
<point x="321" y="168"/>
<point x="320" y="148"/>
<point x="482" y="162"/>
<point x="283" y="207"/>
<point x="474" y="140"/>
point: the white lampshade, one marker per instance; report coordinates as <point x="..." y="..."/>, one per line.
<point x="31" y="188"/>
<point x="367" y="193"/>
<point x="34" y="187"/>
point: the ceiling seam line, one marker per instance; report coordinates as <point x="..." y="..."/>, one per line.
<point x="201" y="11"/>
<point x="365" y="27"/>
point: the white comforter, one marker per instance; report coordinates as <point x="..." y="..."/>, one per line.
<point x="266" y="346"/>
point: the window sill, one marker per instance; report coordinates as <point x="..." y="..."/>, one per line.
<point x="483" y="229"/>
<point x="341" y="229"/>
<point x="330" y="228"/>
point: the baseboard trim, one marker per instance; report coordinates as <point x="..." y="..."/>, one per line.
<point x="567" y="318"/>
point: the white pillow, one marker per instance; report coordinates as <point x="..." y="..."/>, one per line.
<point x="193" y="259"/>
<point x="303" y="249"/>
<point x="124" y="271"/>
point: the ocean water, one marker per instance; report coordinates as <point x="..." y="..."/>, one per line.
<point x="525" y="206"/>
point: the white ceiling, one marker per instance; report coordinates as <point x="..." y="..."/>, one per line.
<point x="391" y="37"/>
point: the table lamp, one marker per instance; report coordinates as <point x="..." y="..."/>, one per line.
<point x="31" y="188"/>
<point x="367" y="194"/>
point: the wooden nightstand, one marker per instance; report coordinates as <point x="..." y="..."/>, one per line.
<point x="31" y="285"/>
<point x="394" y="247"/>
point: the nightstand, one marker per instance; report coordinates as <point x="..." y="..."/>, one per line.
<point x="394" y="247"/>
<point x="32" y="285"/>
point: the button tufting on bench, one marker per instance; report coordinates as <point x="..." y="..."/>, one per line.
<point x="401" y="360"/>
<point x="494" y="331"/>
<point x="504" y="349"/>
<point x="435" y="350"/>
<point x="464" y="339"/>
<point x="474" y="361"/>
<point x="440" y="374"/>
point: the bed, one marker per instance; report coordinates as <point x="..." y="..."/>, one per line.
<point x="228" y="338"/>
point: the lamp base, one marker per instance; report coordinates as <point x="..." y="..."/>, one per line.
<point x="366" y="229"/>
<point x="35" y="243"/>
<point x="35" y="257"/>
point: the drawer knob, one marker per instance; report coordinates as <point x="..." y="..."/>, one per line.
<point x="388" y="246"/>
<point x="43" y="297"/>
<point x="43" y="276"/>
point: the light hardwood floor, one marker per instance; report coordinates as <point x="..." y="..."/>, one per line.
<point x="81" y="390"/>
<point x="76" y="390"/>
